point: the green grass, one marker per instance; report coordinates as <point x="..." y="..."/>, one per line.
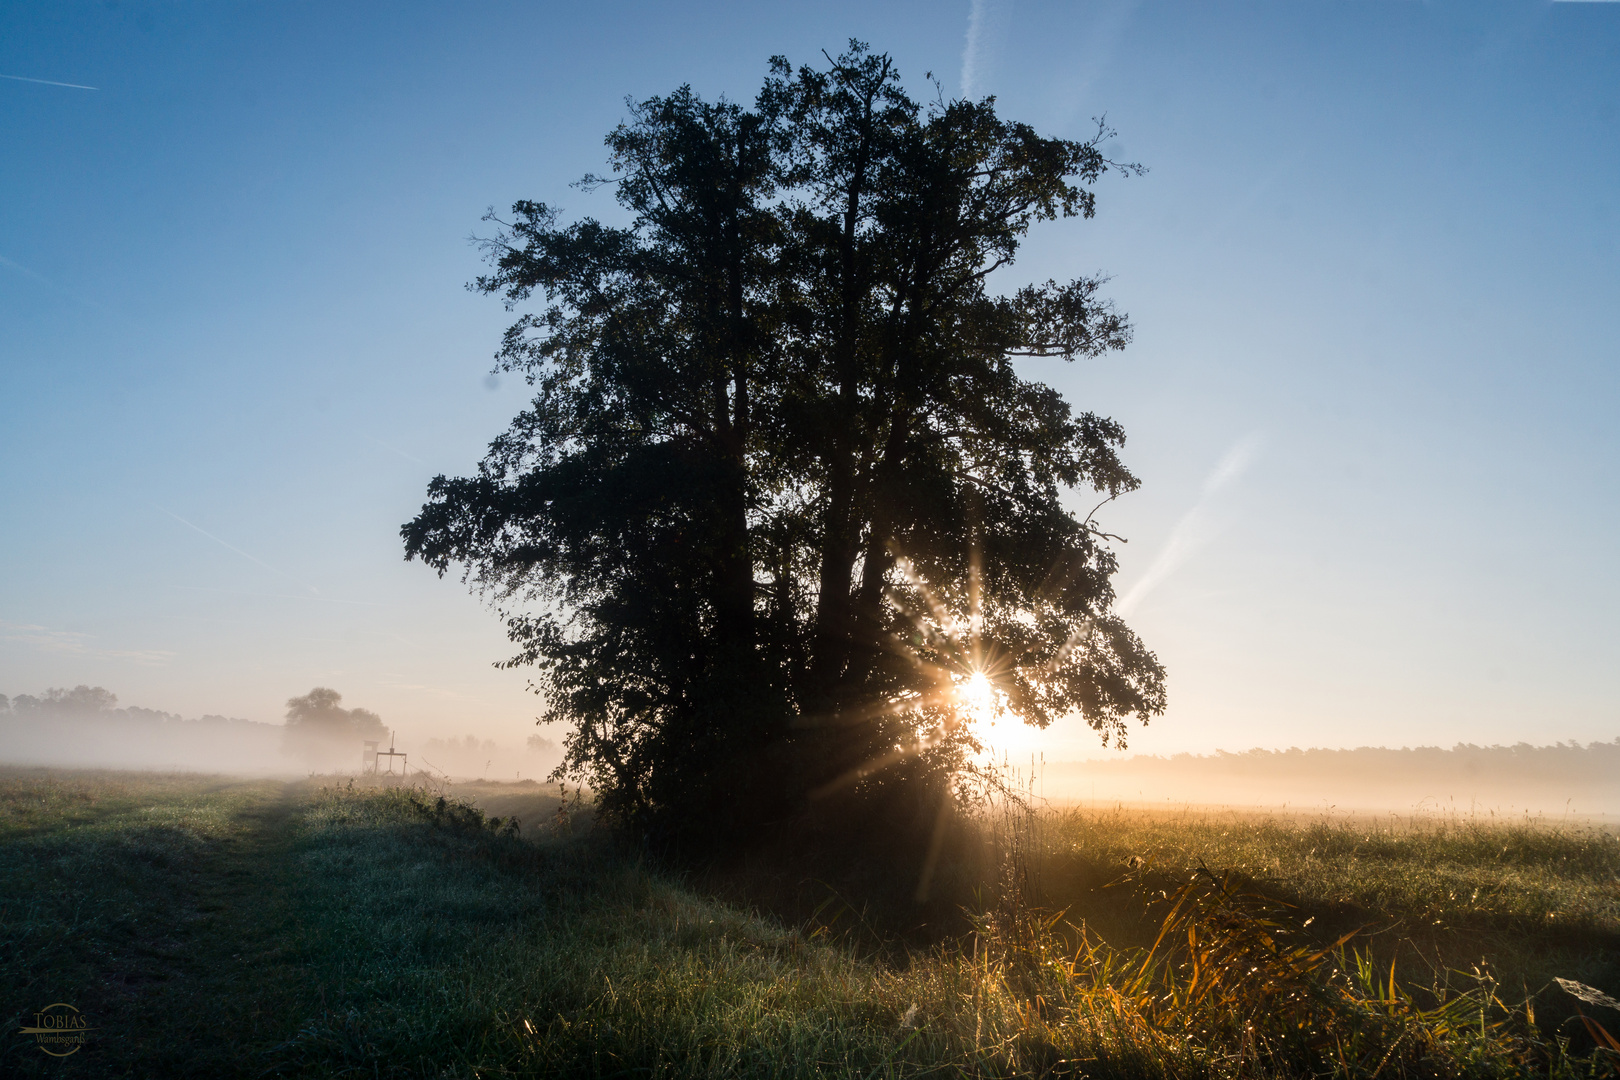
<point x="1538" y="899"/>
<point x="149" y="902"/>
<point x="211" y="927"/>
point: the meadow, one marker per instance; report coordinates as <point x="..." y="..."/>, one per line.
<point x="210" y="926"/>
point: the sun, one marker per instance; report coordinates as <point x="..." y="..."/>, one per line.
<point x="999" y="732"/>
<point x="977" y="696"/>
<point x="980" y="705"/>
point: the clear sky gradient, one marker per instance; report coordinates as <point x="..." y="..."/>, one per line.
<point x="1374" y="270"/>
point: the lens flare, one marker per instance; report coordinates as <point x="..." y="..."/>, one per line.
<point x="977" y="697"/>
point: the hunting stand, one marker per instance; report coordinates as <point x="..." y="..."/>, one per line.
<point x="371" y="758"/>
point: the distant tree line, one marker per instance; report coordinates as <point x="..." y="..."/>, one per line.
<point x="470" y="756"/>
<point x="86" y="727"/>
<point x="95" y="702"/>
<point x="318" y="728"/>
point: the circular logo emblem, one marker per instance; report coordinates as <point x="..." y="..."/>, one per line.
<point x="59" y="1029"/>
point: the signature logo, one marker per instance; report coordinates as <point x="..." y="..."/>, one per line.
<point x="59" y="1029"/>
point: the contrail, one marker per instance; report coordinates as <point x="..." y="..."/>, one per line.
<point x="1237" y="459"/>
<point x="238" y="550"/>
<point x="47" y="282"/>
<point x="21" y="269"/>
<point x="985" y="18"/>
<point x="1192" y="531"/>
<point x="50" y="82"/>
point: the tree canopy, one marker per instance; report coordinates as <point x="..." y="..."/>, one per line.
<point x="786" y="487"/>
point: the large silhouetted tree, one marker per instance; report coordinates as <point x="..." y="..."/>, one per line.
<point x="784" y="487"/>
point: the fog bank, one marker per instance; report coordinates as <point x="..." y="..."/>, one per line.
<point x="1564" y="778"/>
<point x="85" y="728"/>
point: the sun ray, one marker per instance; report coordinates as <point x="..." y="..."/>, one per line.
<point x="975" y="601"/>
<point x="973" y="682"/>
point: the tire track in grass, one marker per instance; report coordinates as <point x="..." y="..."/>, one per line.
<point x="243" y="975"/>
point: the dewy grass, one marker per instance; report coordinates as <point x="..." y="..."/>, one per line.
<point x="558" y="960"/>
<point x="394" y="932"/>
<point x="143" y="900"/>
<point x="1538" y="899"/>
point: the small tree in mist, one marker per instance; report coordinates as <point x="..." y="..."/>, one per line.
<point x="785" y="492"/>
<point x="320" y="729"/>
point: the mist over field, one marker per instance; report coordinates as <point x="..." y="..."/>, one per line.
<point x="85" y="727"/>
<point x="1561" y="779"/>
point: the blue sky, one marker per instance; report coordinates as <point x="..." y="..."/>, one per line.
<point x="1374" y="270"/>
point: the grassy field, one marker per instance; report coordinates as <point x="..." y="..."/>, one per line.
<point x="1534" y="900"/>
<point x="215" y="927"/>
